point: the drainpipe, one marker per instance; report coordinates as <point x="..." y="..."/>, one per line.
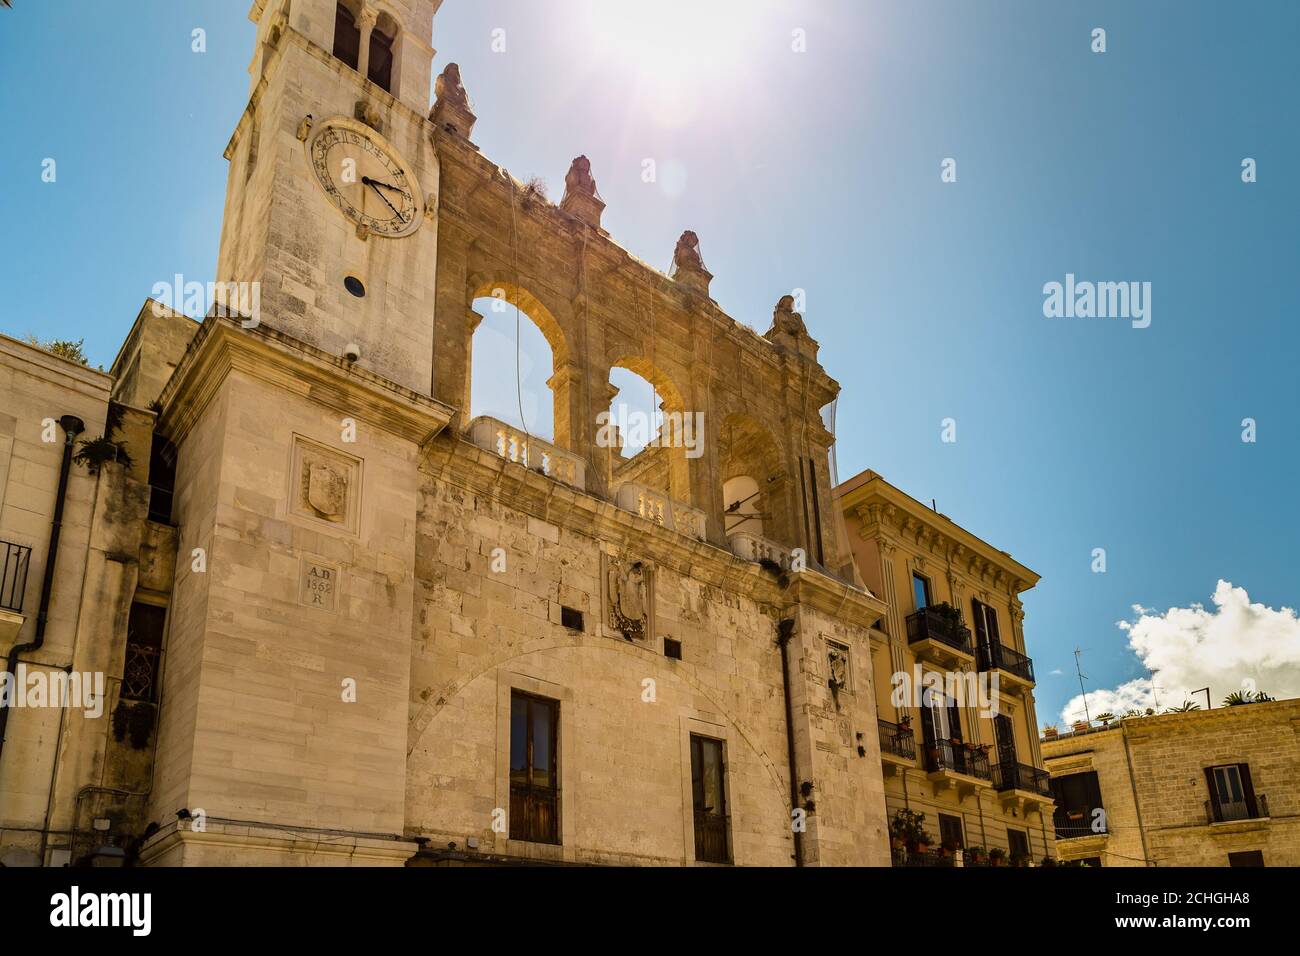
<point x="784" y="631"/>
<point x="72" y="427"/>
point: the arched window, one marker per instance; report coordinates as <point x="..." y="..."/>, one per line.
<point x="495" y="388"/>
<point x="380" y="69"/>
<point x="742" y="505"/>
<point x="347" y="36"/>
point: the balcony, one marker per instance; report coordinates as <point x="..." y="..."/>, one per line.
<point x="656" y="506"/>
<point x="1016" y="667"/>
<point x="914" y="858"/>
<point x="753" y="547"/>
<point x="514" y="444"/>
<point x="955" y="765"/>
<point x="1022" y="787"/>
<point x="1077" y="823"/>
<point x="939" y="637"/>
<point x="1237" y="811"/>
<point x="897" y="745"/>
<point x="15" y="559"/>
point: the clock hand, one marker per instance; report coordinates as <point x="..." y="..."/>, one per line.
<point x="371" y="183"/>
<point x="374" y="182"/>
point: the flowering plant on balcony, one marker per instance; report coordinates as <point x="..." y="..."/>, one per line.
<point x="948" y="614"/>
<point x="907" y="829"/>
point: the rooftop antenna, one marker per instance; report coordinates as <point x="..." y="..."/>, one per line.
<point x="1155" y="701"/>
<point x="1081" y="674"/>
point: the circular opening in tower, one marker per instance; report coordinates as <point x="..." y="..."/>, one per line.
<point x="355" y="286"/>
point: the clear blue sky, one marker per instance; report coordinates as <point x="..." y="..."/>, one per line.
<point x="821" y="171"/>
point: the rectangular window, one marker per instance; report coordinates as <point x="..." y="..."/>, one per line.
<point x="1246" y="858"/>
<point x="534" y="779"/>
<point x="950" y="835"/>
<point x="920" y="590"/>
<point x="571" y="618"/>
<point x="672" y="649"/>
<point x="144" y="640"/>
<point x="708" y="788"/>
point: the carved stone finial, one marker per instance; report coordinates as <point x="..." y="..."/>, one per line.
<point x="451" y="109"/>
<point x="788" y="329"/>
<point x="580" y="198"/>
<point x="687" y="254"/>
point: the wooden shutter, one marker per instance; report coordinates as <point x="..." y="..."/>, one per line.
<point x="1248" y="789"/>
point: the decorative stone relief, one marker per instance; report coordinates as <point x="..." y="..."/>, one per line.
<point x="326" y="485"/>
<point x="837" y="666"/>
<point x="627" y="587"/>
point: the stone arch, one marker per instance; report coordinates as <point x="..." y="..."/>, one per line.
<point x="665" y="468"/>
<point x="747" y="449"/>
<point x="562" y="382"/>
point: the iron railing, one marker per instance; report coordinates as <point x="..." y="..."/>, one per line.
<point x="1073" y="822"/>
<point x="711" y="837"/>
<point x="1000" y="657"/>
<point x="14" y="561"/>
<point x="897" y="739"/>
<point x="1237" y="810"/>
<point x="1009" y="775"/>
<point x="957" y="757"/>
<point x="928" y="624"/>
<point x="913" y="858"/>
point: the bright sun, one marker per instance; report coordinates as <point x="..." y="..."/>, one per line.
<point x="672" y="46"/>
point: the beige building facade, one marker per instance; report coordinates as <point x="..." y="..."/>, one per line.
<point x="1202" y="788"/>
<point x="340" y="621"/>
<point x="953" y="682"/>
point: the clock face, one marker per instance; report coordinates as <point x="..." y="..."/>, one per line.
<point x="365" y="178"/>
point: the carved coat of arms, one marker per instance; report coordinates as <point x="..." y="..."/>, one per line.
<point x="627" y="598"/>
<point x="327" y="491"/>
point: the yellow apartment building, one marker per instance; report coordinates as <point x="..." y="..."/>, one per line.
<point x="954" y="683"/>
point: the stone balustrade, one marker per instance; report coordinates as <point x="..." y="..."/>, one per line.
<point x="514" y="444"/>
<point x="754" y="547"/>
<point x="659" y="508"/>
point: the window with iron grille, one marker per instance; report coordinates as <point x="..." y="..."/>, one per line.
<point x="1078" y="797"/>
<point x="144" y="638"/>
<point x="709" y="791"/>
<point x="534" y="777"/>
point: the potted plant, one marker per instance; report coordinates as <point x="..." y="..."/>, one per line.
<point x="998" y="856"/>
<point x="1106" y="718"/>
<point x="1048" y="861"/>
<point x="1050" y="732"/>
<point x="1080" y="725"/>
<point x="977" y="855"/>
<point x="907" y="831"/>
<point x="1020" y="859"/>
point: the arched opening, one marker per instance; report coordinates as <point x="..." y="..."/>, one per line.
<point x="756" y="496"/>
<point x="647" y="435"/>
<point x="347" y="35"/>
<point x="511" y="368"/>
<point x="383" y="46"/>
<point x="742" y="504"/>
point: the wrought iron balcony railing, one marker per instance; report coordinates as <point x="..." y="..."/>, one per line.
<point x="897" y="739"/>
<point x="1256" y="809"/>
<point x="1000" y="657"/>
<point x="14" y="561"/>
<point x="928" y="624"/>
<point x="957" y="757"/>
<point x="1020" y="776"/>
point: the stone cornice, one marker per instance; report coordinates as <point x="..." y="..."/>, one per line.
<point x="460" y="463"/>
<point x="889" y="514"/>
<point x="223" y="346"/>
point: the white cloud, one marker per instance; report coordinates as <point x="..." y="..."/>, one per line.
<point x="1233" y="646"/>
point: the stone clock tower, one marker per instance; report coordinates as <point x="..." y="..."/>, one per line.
<point x="333" y="190"/>
<point x="298" y="443"/>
